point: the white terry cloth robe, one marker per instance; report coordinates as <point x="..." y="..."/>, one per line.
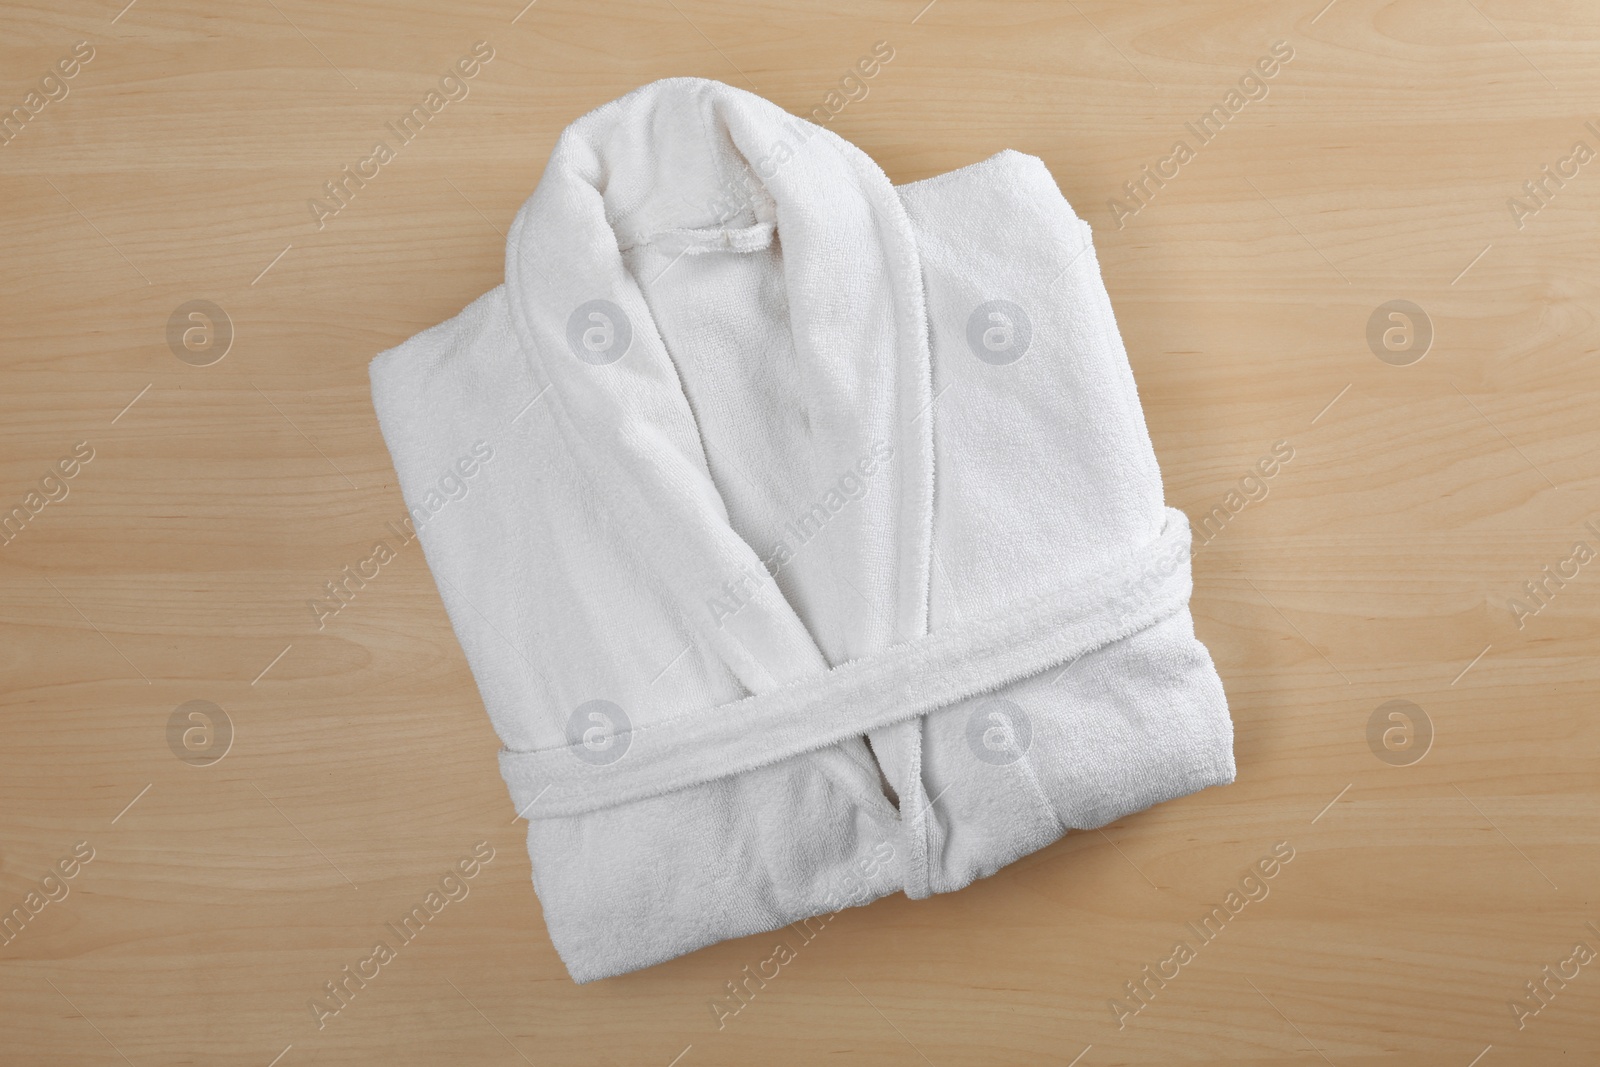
<point x="802" y="532"/>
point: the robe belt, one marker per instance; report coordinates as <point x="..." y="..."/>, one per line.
<point x="1087" y="610"/>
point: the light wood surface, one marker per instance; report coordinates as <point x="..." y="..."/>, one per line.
<point x="1381" y="566"/>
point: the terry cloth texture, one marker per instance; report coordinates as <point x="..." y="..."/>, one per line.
<point x="822" y="554"/>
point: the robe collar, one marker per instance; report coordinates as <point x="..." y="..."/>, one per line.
<point x="697" y="161"/>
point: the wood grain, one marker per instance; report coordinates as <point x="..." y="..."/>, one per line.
<point x="1381" y="564"/>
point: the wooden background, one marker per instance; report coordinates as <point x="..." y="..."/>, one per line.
<point x="223" y="893"/>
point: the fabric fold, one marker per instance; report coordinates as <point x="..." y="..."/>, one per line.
<point x="1090" y="610"/>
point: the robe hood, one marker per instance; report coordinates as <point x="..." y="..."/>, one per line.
<point x="820" y="552"/>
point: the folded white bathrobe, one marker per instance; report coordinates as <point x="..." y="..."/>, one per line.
<point x="821" y="553"/>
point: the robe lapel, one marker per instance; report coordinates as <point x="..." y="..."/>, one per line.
<point x="857" y="316"/>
